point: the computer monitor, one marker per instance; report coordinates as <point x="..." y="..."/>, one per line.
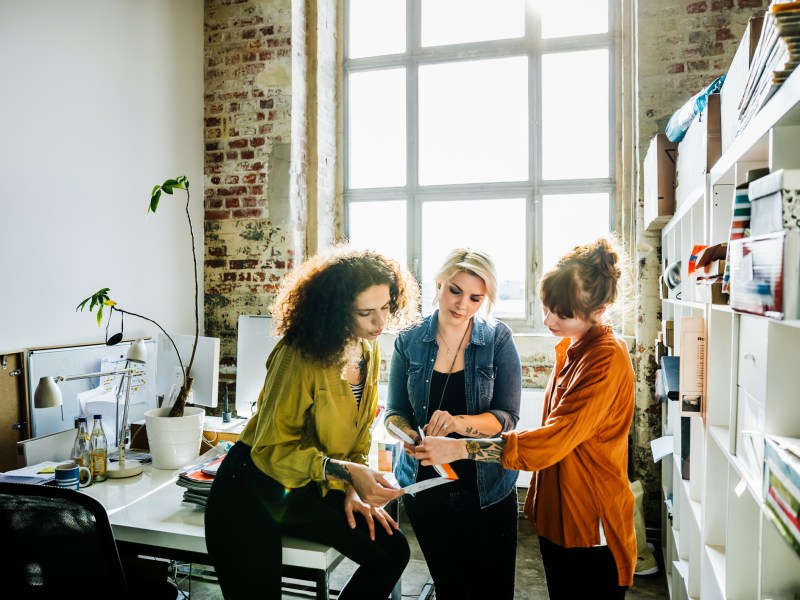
<point x="255" y="341"/>
<point x="205" y="369"/>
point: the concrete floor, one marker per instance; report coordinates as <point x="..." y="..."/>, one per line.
<point x="530" y="581"/>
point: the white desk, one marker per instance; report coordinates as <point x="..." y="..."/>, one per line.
<point x="149" y="517"/>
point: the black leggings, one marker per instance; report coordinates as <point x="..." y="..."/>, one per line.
<point x="248" y="511"/>
<point x="580" y="572"/>
<point x="470" y="552"/>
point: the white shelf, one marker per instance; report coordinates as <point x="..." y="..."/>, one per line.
<point x="727" y="546"/>
<point x="716" y="558"/>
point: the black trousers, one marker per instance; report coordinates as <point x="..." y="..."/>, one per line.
<point x="470" y="552"/>
<point x="580" y="572"/>
<point x="248" y="512"/>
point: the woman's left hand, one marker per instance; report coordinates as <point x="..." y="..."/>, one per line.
<point x="440" y="450"/>
<point x="441" y="423"/>
<point x="353" y="504"/>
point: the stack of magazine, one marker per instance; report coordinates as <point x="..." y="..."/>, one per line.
<point x="775" y="58"/>
<point x="198" y="479"/>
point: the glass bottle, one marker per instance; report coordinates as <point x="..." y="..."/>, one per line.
<point x="99" y="444"/>
<point x="82" y="448"/>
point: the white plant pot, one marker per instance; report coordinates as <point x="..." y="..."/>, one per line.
<point x="174" y="441"/>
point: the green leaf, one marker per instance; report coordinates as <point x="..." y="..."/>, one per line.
<point x="154" y="201"/>
<point x="170" y="183"/>
<point x="167" y="189"/>
<point x="100" y="316"/>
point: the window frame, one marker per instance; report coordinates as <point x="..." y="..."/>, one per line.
<point x="532" y="189"/>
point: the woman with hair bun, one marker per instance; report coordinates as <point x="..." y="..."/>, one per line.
<point x="580" y="500"/>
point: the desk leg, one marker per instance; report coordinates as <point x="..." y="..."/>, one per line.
<point x="323" y="586"/>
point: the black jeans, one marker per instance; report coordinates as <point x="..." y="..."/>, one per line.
<point x="470" y="552"/>
<point x="580" y="572"/>
<point x="247" y="512"/>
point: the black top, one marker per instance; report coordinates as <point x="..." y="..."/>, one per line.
<point x="453" y="401"/>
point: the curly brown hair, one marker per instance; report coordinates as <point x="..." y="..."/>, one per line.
<point x="313" y="309"/>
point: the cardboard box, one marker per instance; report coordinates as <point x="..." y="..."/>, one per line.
<point x="709" y="292"/>
<point x="659" y="182"/>
<point x="699" y="150"/>
<point x="736" y="80"/>
<point x="711" y="261"/>
<point x="775" y="202"/>
<point x="668" y="333"/>
<point x="765" y="275"/>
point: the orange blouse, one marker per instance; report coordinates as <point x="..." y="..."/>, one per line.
<point x="580" y="454"/>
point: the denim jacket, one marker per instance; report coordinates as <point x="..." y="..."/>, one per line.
<point x="493" y="378"/>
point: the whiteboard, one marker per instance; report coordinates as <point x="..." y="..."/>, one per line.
<point x="255" y="340"/>
<point x="77" y="360"/>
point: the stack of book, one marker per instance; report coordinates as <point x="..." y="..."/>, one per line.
<point x="775" y="58"/>
<point x="198" y="479"/>
<point x="782" y="486"/>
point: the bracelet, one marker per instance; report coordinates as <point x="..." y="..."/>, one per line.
<point x="325" y="461"/>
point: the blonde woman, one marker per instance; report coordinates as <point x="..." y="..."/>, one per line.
<point x="458" y="374"/>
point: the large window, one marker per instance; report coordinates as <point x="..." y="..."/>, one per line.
<point x="481" y="123"/>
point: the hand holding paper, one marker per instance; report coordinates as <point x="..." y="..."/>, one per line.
<point x="443" y="469"/>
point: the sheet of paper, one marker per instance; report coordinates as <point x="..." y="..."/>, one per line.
<point x="426" y="484"/>
<point x="661" y="447"/>
<point x="399" y="433"/>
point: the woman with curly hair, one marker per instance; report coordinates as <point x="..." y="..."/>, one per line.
<point x="300" y="465"/>
<point x="580" y="501"/>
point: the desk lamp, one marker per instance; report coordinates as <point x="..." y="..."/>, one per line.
<point x="48" y="394"/>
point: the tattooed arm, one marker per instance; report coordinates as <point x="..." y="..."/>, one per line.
<point x="370" y="485"/>
<point x="439" y="450"/>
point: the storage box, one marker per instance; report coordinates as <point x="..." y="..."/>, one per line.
<point x="709" y="292"/>
<point x="775" y="202"/>
<point x="765" y="275"/>
<point x="659" y="182"/>
<point x="693" y="365"/>
<point x="668" y="332"/>
<point x="699" y="150"/>
<point x="736" y="80"/>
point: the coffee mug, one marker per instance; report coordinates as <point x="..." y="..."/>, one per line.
<point x="69" y="475"/>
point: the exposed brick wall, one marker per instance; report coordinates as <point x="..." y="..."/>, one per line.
<point x="251" y="231"/>
<point x="681" y="47"/>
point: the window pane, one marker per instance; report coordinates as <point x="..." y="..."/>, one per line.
<point x="377" y="27"/>
<point x="583" y="17"/>
<point x="459" y="21"/>
<point x="379" y="226"/>
<point x="377" y="120"/>
<point x="575" y="117"/>
<point x="453" y="145"/>
<point x="569" y="220"/>
<point x="494" y="226"/>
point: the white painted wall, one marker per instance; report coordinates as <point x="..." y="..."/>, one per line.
<point x="101" y="99"/>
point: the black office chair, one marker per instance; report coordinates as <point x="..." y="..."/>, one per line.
<point x="56" y="541"/>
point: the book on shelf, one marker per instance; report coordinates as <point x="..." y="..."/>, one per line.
<point x="776" y="56"/>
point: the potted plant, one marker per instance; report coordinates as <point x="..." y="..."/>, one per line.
<point x="101" y="299"/>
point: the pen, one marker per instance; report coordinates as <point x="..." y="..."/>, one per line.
<point x="421" y="433"/>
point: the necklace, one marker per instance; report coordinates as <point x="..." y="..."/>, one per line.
<point x="452" y="364"/>
<point x="447" y="346"/>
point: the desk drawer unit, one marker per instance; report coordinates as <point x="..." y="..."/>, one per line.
<point x="753" y="355"/>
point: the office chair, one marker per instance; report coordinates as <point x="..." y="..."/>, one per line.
<point x="58" y="540"/>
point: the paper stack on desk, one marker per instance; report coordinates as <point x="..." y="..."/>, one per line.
<point x="198" y="479"/>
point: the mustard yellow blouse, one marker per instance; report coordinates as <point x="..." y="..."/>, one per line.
<point x="306" y="412"/>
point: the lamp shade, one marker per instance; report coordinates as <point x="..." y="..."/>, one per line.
<point x="47" y="394"/>
<point x="137" y="352"/>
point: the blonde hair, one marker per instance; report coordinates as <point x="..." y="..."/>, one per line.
<point x="585" y="279"/>
<point x="475" y="262"/>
